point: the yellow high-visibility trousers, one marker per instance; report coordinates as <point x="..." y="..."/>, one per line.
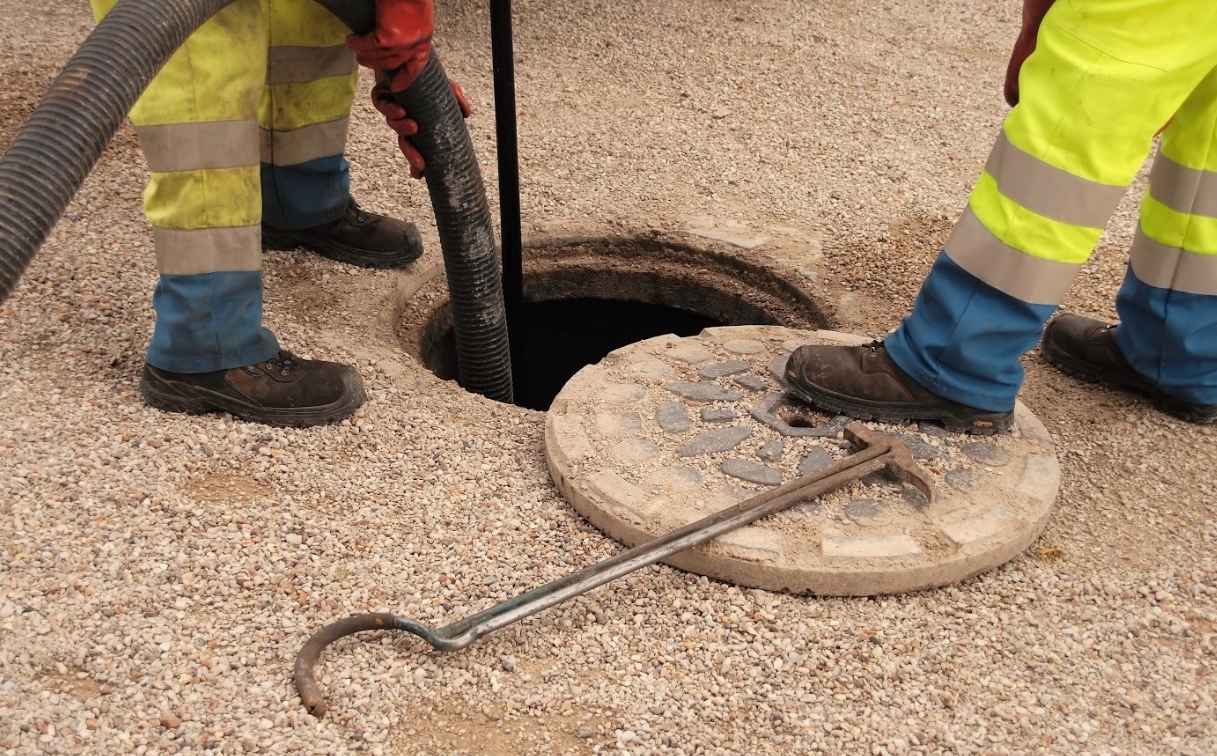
<point x="246" y="124"/>
<point x="1105" y="77"/>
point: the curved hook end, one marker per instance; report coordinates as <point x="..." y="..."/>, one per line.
<point x="306" y="660"/>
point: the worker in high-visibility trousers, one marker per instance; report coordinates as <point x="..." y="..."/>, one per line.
<point x="1101" y="79"/>
<point x="244" y="132"/>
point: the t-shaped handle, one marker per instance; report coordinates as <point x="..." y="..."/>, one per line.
<point x="899" y="457"/>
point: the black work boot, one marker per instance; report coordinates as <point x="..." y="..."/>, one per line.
<point x="863" y="382"/>
<point x="1087" y="349"/>
<point x="358" y="238"/>
<point x="284" y="391"/>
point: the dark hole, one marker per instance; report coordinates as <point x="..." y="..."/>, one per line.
<point x="585" y="299"/>
<point x="799" y="416"/>
<point x="561" y="337"/>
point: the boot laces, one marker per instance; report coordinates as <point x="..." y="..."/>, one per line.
<point x="355" y="213"/>
<point x="285" y="362"/>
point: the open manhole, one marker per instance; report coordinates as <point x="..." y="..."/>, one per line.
<point x="586" y="299"/>
<point x="659" y="367"/>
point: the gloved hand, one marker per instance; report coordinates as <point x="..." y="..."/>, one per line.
<point x="401" y="41"/>
<point x="395" y="115"/>
<point x="1033" y="14"/>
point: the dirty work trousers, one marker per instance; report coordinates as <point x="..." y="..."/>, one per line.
<point x="246" y="124"/>
<point x="1104" y="78"/>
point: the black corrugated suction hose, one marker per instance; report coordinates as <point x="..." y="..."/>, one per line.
<point x="66" y="134"/>
<point x="466" y="235"/>
<point x="462" y="218"/>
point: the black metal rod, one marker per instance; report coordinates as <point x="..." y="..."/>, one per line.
<point x="503" y="56"/>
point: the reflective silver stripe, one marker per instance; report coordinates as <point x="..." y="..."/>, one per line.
<point x="1184" y="190"/>
<point x="1173" y="268"/>
<point x="197" y="146"/>
<point x="181" y="252"/>
<point x="301" y="65"/>
<point x="1049" y="191"/>
<point x="1009" y="270"/>
<point x="304" y="144"/>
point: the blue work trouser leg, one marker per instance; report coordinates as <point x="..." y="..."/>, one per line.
<point x="304" y="114"/>
<point x="964" y="338"/>
<point x="1168" y="302"/>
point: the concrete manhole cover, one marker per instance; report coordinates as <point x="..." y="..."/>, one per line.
<point x="668" y="430"/>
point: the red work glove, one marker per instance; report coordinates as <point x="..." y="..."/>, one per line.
<point x="1033" y="14"/>
<point x="401" y="41"/>
<point x="395" y="115"/>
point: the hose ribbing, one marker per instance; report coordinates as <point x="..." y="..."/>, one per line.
<point x="65" y="135"/>
<point x="466" y="234"/>
<point x="462" y="218"/>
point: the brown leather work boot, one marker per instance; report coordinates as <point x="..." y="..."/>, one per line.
<point x="358" y="238"/>
<point x="284" y="391"/>
<point x="863" y="382"/>
<point x="1087" y="349"/>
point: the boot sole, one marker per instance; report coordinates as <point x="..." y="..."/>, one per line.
<point x="1070" y="365"/>
<point x="193" y="400"/>
<point x="955" y="421"/>
<point x="285" y="242"/>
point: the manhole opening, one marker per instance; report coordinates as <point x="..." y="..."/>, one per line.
<point x="801" y="416"/>
<point x="584" y="300"/>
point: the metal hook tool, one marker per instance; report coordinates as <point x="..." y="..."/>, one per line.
<point x="877" y="451"/>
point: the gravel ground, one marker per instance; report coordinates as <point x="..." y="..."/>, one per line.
<point x="160" y="572"/>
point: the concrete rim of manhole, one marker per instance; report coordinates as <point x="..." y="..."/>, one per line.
<point x="657" y="269"/>
<point x="636" y="474"/>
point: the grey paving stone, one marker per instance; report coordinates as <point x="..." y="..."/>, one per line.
<point x="713" y="442"/>
<point x="622" y="393"/>
<point x="815" y="460"/>
<point x="675" y="478"/>
<point x="864" y="509"/>
<point x="930" y="429"/>
<point x="964" y="480"/>
<point x="614" y="425"/>
<point x="744" y="346"/>
<point x="752" y="383"/>
<point x="753" y="472"/>
<point x="652" y="370"/>
<point x="673" y="417"/>
<point x="635" y="451"/>
<point x="920" y="449"/>
<point x="813" y="507"/>
<point x="718" y="415"/>
<point x="772" y="451"/>
<point x="915" y="499"/>
<point x="777" y="368"/>
<point x="702" y="392"/>
<point x="881" y="478"/>
<point x="690" y="352"/>
<point x="735" y="494"/>
<point x="988" y="454"/>
<point x="723" y="369"/>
